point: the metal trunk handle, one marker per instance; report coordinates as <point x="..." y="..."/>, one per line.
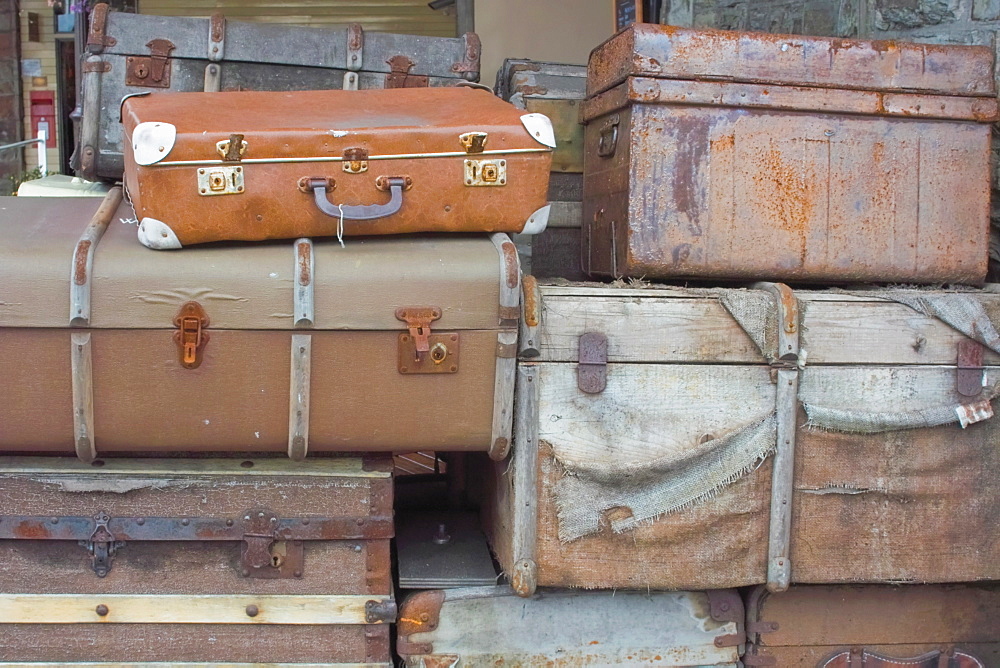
<point x="394" y="184"/>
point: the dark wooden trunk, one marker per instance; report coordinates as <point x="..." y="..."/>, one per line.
<point x="165" y="599"/>
<point x="877" y="626"/>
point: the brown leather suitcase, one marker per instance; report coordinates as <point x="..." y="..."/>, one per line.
<point x="268" y="165"/>
<point x="727" y="155"/>
<point x="875" y="626"/>
<point x="234" y="562"/>
<point x="386" y="344"/>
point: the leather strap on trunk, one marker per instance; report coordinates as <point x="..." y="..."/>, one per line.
<point x="861" y="658"/>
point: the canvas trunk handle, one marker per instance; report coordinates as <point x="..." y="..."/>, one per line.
<point x="394" y="184"/>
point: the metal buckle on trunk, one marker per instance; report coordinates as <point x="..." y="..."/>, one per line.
<point x="969" y="374"/>
<point x="420" y="351"/>
<point x="399" y="75"/>
<point x="152" y="71"/>
<point x="102" y="545"/>
<point x="592" y="370"/>
<point x="265" y="554"/>
<point x="191" y="337"/>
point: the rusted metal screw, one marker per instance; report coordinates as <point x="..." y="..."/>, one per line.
<point x="252" y="610"/>
<point x="102" y="610"/>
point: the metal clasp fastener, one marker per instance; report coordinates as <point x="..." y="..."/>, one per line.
<point x="969" y="373"/>
<point x="102" y="545"/>
<point x="152" y="71"/>
<point x="191" y="337"/>
<point x="592" y="370"/>
<point x="355" y="160"/>
<point x="232" y="149"/>
<point x="418" y="320"/>
<point x="473" y="142"/>
<point x="608" y="141"/>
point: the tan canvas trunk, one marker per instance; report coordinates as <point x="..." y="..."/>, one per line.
<point x="297" y="347"/>
<point x="657" y="444"/>
<point x="277" y="165"/>
<point x="875" y="626"/>
<point x="727" y="155"/>
<point x="205" y="561"/>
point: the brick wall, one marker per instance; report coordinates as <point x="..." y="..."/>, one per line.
<point x="10" y="94"/>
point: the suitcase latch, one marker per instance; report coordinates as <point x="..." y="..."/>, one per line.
<point x="399" y="75"/>
<point x="473" y="142"/>
<point x="969" y="373"/>
<point x="355" y="160"/>
<point x="191" y="338"/>
<point x="592" y="370"/>
<point x="232" y="149"/>
<point x="221" y="180"/>
<point x="421" y="351"/>
<point x="102" y="545"/>
<point x="485" y="172"/>
<point x="266" y="553"/>
<point x="152" y="71"/>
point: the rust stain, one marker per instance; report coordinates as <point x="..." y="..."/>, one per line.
<point x="529" y="285"/>
<point x="80" y="262"/>
<point x="305" y="259"/>
<point x="510" y="263"/>
<point x="31" y="530"/>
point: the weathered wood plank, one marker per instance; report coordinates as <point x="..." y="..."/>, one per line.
<point x="647" y="411"/>
<point x="181" y="609"/>
<point x="335" y="467"/>
<point x="643" y="326"/>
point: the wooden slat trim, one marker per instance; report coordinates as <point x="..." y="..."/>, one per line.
<point x="524" y="468"/>
<point x="339" y="467"/>
<point x="503" y="396"/>
<point x="175" y="664"/>
<point x="82" y="265"/>
<point x="82" y="369"/>
<point x="298" y="403"/>
<point x="181" y="609"/>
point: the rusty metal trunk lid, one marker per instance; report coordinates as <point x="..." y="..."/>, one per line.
<point x="825" y="62"/>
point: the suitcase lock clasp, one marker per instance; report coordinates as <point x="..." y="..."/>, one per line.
<point x="191" y="337"/>
<point x="473" y="142"/>
<point x="152" y="71"/>
<point x="420" y="351"/>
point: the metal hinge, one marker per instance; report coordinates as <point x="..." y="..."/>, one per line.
<point x="380" y="612"/>
<point x="102" y="545"/>
<point x="421" y="351"/>
<point x="152" y="71"/>
<point x="592" y="370"/>
<point x="191" y="338"/>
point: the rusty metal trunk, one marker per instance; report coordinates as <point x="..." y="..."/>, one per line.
<point x="784" y="173"/>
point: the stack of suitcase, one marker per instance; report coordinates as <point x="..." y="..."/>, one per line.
<point x="198" y="437"/>
<point x="831" y="451"/>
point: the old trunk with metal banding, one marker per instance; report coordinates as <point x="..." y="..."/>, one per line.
<point x="333" y="163"/>
<point x="686" y="439"/>
<point x="236" y="562"/>
<point x="724" y="155"/>
<point x="287" y="347"/>
<point x="875" y="626"/>
<point x="134" y="53"/>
